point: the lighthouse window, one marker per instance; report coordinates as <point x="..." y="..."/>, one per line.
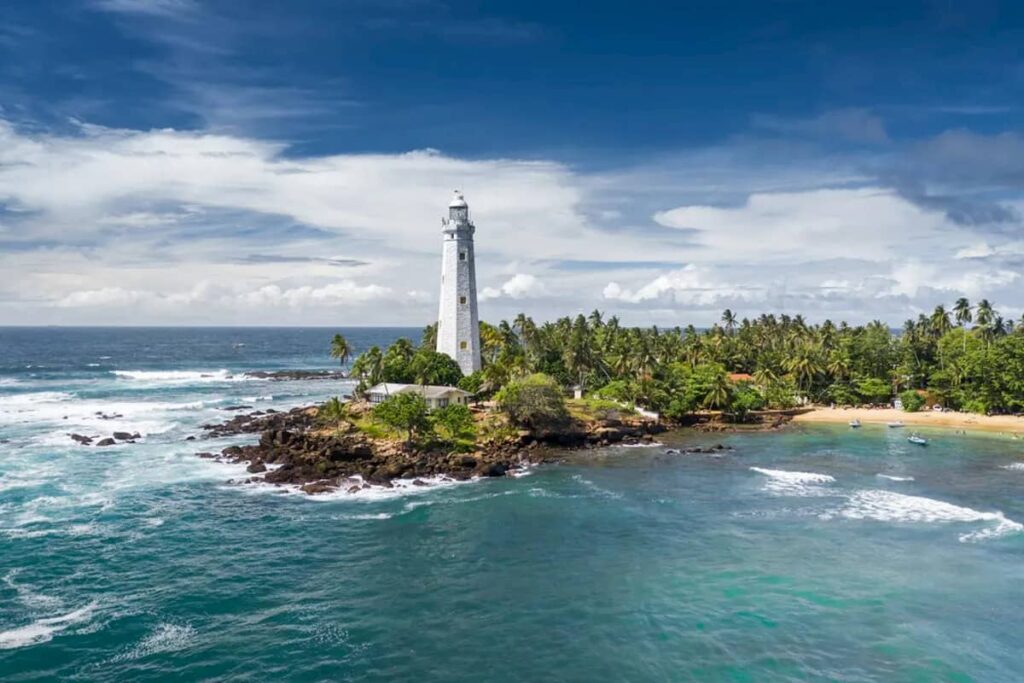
<point x="462" y="299"/>
<point x="462" y="256"/>
<point x="463" y="345"/>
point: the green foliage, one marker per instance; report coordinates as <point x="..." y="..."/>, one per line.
<point x="473" y="383"/>
<point x="874" y="390"/>
<point x="744" y="399"/>
<point x="534" y="401"/>
<point x="454" y="423"/>
<point x="430" y="367"/>
<point x="620" y="390"/>
<point x="405" y="412"/>
<point x="842" y="393"/>
<point x="332" y="411"/>
<point x="911" y="400"/>
<point x="340" y="349"/>
<point x="966" y="354"/>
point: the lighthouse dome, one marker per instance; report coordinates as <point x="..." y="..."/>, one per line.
<point x="458" y="201"/>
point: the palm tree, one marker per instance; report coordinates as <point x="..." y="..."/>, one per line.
<point x="939" y="322"/>
<point x="341" y="349"/>
<point x="985" y="317"/>
<point x="962" y="313"/>
<point x="729" y="320"/>
<point x="718" y="393"/>
<point x="370" y="365"/>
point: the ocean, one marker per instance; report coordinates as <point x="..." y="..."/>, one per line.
<point x="815" y="553"/>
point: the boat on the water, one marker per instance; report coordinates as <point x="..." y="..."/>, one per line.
<point x="895" y="425"/>
<point x="855" y="423"/>
<point x="917" y="439"/>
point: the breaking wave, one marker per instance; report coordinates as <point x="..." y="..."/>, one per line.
<point x="44" y="629"/>
<point x="787" y="483"/>
<point x="180" y="376"/>
<point x="893" y="477"/>
<point x="887" y="506"/>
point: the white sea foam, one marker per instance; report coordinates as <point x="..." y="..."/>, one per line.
<point x="651" y="444"/>
<point x="42" y="630"/>
<point x="181" y="376"/>
<point x="164" y="638"/>
<point x="887" y="506"/>
<point x="9" y="382"/>
<point x="1017" y="466"/>
<point x="29" y="597"/>
<point x="787" y="483"/>
<point x="893" y="477"/>
<point x="603" y="492"/>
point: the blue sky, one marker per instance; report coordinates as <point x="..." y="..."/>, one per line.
<point x="216" y="162"/>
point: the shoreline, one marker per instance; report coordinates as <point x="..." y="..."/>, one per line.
<point x="1005" y="424"/>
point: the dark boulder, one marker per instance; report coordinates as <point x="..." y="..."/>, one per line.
<point x="256" y="467"/>
<point x="106" y="442"/>
<point x="84" y="440"/>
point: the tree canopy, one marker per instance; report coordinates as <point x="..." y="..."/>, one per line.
<point x="966" y="356"/>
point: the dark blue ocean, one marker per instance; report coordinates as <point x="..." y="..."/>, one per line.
<point x="817" y="553"/>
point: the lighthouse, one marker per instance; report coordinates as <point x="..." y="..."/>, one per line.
<point x="458" y="327"/>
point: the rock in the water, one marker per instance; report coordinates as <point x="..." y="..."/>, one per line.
<point x="106" y="442"/>
<point x="84" y="440"/>
<point x="314" y="487"/>
<point x="126" y="436"/>
<point x="256" y="467"/>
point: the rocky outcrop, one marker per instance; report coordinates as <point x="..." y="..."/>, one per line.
<point x="293" y="449"/>
<point x="292" y="375"/>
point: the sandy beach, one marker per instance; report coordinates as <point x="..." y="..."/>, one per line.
<point x="1007" y="424"/>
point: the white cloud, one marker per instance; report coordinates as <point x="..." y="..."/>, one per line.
<point x="869" y="223"/>
<point x="689" y="286"/>
<point x="519" y="286"/>
<point x="344" y="293"/>
<point x="910" y="278"/>
<point x="163" y="226"/>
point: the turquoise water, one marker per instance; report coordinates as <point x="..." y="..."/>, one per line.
<point x="818" y="553"/>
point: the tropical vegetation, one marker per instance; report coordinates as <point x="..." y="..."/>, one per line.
<point x="965" y="357"/>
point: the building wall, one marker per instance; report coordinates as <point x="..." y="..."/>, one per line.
<point x="458" y="331"/>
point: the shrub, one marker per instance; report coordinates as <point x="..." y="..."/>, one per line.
<point x="472" y="383"/>
<point x="744" y="399"/>
<point x="332" y="411"/>
<point x="534" y="401"/>
<point x="874" y="390"/>
<point x="430" y="367"/>
<point x="405" y="412"/>
<point x="911" y="400"/>
<point x="453" y="423"/>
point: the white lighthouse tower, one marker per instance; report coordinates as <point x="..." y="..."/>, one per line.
<point x="458" y="327"/>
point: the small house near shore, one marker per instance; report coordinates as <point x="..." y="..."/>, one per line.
<point x="435" y="396"/>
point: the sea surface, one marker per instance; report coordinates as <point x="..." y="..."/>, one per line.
<point x="816" y="553"/>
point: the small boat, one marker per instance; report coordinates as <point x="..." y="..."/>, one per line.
<point x="918" y="440"/>
<point x="855" y="423"/>
<point x="895" y="425"/>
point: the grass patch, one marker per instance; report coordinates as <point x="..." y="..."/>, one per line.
<point x="596" y="408"/>
<point x="377" y="430"/>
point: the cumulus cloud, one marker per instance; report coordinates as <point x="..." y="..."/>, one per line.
<point x="869" y="223"/>
<point x="519" y="286"/>
<point x="108" y="225"/>
<point x="688" y="286"/>
<point x="344" y="293"/>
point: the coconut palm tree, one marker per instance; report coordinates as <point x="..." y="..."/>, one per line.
<point x="962" y="313"/>
<point x="718" y="393"/>
<point x="985" y="317"/>
<point x="729" y="321"/>
<point x="341" y="349"/>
